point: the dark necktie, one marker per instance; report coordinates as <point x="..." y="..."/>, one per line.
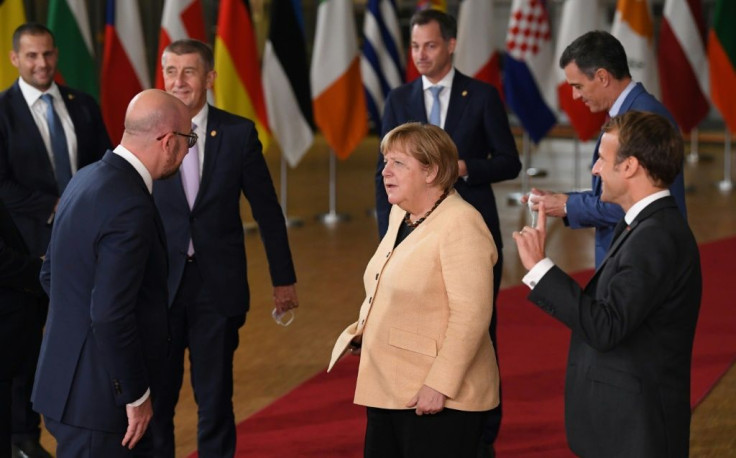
<point x="62" y="165"/>
<point x="619" y="229"/>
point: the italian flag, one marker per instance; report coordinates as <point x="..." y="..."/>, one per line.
<point x="337" y="88"/>
<point x="69" y="21"/>
<point x="722" y="56"/>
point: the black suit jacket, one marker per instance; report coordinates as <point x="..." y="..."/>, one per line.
<point x="627" y="391"/>
<point x="19" y="289"/>
<point x="27" y="181"/>
<point x="477" y="123"/>
<point x="233" y="165"/>
<point x="105" y="271"/>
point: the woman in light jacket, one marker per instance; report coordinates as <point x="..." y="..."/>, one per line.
<point x="428" y="374"/>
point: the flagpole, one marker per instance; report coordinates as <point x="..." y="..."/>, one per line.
<point x="332" y="217"/>
<point x="576" y="162"/>
<point x="726" y="184"/>
<point x="693" y="157"/>
<point x="290" y="222"/>
<point x="515" y="197"/>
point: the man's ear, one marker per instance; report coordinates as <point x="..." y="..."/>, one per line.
<point x="631" y="166"/>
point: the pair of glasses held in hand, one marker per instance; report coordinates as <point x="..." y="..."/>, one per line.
<point x="283" y="319"/>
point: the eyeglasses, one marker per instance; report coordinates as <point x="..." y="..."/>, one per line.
<point x="191" y="138"/>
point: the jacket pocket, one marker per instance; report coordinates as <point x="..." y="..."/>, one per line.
<point x="413" y="342"/>
<point x="613" y="377"/>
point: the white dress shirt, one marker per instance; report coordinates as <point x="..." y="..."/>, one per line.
<point x="446" y="83"/>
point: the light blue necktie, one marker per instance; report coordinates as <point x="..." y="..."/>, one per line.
<point x="62" y="164"/>
<point x="434" y="115"/>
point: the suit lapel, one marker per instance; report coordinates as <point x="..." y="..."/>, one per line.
<point x="26" y="121"/>
<point x="417" y="109"/>
<point x="212" y="146"/>
<point x="459" y="98"/>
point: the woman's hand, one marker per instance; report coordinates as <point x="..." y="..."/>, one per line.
<point x="427" y="401"/>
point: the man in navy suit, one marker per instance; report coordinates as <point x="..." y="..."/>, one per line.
<point x="32" y="179"/>
<point x="472" y="113"/>
<point x="105" y="273"/>
<point x="208" y="285"/>
<point x="596" y="67"/>
<point x="627" y="389"/>
<point x="20" y="290"/>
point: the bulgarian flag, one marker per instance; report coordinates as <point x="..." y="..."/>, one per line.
<point x="337" y="88"/>
<point x="12" y="14"/>
<point x="180" y="19"/>
<point x="238" y="87"/>
<point x="722" y="56"/>
<point x="69" y="21"/>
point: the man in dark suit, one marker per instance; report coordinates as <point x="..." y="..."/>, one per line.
<point x="105" y="272"/>
<point x="472" y="113"/>
<point x="20" y="291"/>
<point x="596" y="67"/>
<point x="37" y="159"/>
<point x="208" y="285"/>
<point x="627" y="391"/>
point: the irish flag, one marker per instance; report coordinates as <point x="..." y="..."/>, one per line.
<point x="634" y="28"/>
<point x="337" y="88"/>
<point x="69" y="21"/>
<point x="722" y="56"/>
<point x="12" y="14"/>
<point x="180" y="19"/>
<point x="238" y="87"/>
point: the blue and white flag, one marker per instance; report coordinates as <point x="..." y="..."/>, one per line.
<point x="382" y="61"/>
<point x="529" y="66"/>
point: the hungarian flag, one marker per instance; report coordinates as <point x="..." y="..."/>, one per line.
<point x="634" y="28"/>
<point x="578" y="17"/>
<point x="411" y="70"/>
<point x="474" y="53"/>
<point x="286" y="81"/>
<point x="124" y="67"/>
<point x="238" y="87"/>
<point x="12" y="14"/>
<point x="337" y="88"/>
<point x="180" y="19"/>
<point x="69" y="21"/>
<point x="722" y="56"/>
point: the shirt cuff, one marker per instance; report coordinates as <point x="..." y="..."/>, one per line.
<point x="536" y="273"/>
<point x="141" y="400"/>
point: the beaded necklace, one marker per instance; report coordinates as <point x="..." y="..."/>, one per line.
<point x="407" y="219"/>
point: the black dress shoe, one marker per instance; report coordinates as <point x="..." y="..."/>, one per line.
<point x="29" y="448"/>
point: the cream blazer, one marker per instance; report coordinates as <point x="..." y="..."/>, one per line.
<point x="426" y="313"/>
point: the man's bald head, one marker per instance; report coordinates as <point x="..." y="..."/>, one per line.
<point x="154" y="111"/>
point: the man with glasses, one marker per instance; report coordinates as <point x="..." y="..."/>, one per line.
<point x="208" y="285"/>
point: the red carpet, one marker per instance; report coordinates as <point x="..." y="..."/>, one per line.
<point x="318" y="418"/>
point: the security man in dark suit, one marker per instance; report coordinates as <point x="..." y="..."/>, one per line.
<point x="47" y="133"/>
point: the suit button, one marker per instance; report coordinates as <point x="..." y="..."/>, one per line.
<point x="370" y="299"/>
<point x="388" y="254"/>
<point x="362" y="321"/>
<point x="376" y="276"/>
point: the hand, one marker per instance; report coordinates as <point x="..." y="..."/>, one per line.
<point x="284" y="298"/>
<point x="427" y="401"/>
<point x="138" y="419"/>
<point x="530" y="241"/>
<point x="553" y="202"/>
<point x="462" y="168"/>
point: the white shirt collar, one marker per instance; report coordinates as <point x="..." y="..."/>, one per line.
<point x="200" y="119"/>
<point x="31" y="94"/>
<point x="133" y="160"/>
<point x="644" y="203"/>
<point x="620" y="99"/>
<point x="446" y="81"/>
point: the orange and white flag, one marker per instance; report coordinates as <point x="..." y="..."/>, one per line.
<point x="634" y="28"/>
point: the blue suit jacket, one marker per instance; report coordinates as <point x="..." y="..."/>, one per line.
<point x="27" y="181"/>
<point x="105" y="272"/>
<point x="585" y="209"/>
<point x="477" y="123"/>
<point x="233" y="164"/>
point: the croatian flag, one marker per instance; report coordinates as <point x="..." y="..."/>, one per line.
<point x="528" y="74"/>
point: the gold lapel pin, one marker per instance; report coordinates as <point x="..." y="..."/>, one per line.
<point x="213" y="133"/>
<point x="70" y="96"/>
<point x="465" y="93"/>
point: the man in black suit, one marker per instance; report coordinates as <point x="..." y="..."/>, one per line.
<point x="20" y="290"/>
<point x="474" y="116"/>
<point x="627" y="391"/>
<point x="208" y="285"/>
<point x="37" y="159"/>
<point x="105" y="272"/>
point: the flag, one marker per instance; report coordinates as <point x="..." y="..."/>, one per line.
<point x="682" y="53"/>
<point x="12" y="14"/>
<point x="286" y="81"/>
<point x="69" y="21"/>
<point x="722" y="56"/>
<point x="382" y="61"/>
<point x="180" y="19"/>
<point x="337" y="89"/>
<point x="528" y="78"/>
<point x="411" y="70"/>
<point x="124" y="67"/>
<point x="238" y="87"/>
<point x="578" y="17"/>
<point x="474" y="52"/>
<point x="633" y="26"/>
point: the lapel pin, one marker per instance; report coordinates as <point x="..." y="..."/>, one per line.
<point x="70" y="96"/>
<point x="213" y="133"/>
<point x="465" y="93"/>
